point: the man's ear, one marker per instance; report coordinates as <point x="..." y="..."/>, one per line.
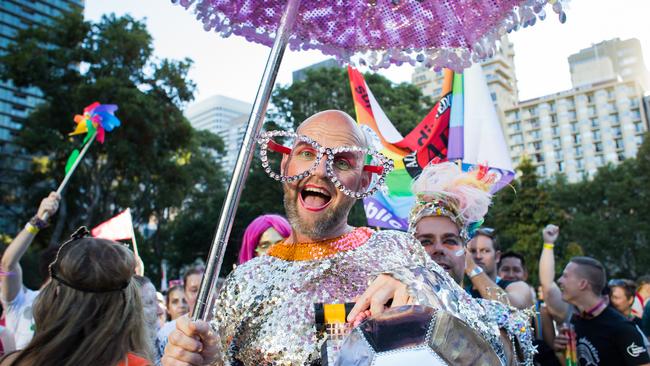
<point x="497" y="256"/>
<point x="583" y="284"/>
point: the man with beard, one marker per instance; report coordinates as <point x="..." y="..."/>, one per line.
<point x="264" y="314"/>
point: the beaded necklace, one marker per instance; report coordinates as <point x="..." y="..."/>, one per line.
<point x="321" y="249"/>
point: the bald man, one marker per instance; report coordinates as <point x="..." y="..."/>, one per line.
<point x="265" y="311"/>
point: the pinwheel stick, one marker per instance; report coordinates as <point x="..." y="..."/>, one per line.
<point x="64" y="183"/>
<point x="207" y="291"/>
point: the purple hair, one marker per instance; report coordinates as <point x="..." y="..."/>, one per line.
<point x="255" y="230"/>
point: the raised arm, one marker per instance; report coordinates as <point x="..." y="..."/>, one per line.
<point x="557" y="307"/>
<point x="13" y="279"/>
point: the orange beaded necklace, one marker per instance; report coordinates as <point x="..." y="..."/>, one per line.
<point x="321" y="249"/>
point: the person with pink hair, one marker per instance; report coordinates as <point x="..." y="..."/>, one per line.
<point x="260" y="234"/>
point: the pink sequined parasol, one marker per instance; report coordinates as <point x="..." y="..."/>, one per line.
<point x="436" y="33"/>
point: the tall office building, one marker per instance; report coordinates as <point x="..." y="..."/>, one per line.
<point x="301" y="74"/>
<point x="614" y="59"/>
<point x="225" y="117"/>
<point x="499" y="72"/>
<point x="17" y="103"/>
<point x="576" y="131"/>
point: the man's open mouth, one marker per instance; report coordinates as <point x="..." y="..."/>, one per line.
<point x="314" y="198"/>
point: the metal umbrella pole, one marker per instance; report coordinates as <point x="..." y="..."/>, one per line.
<point x="255" y="121"/>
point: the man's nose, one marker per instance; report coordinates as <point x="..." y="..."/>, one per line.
<point x="437" y="248"/>
<point x="321" y="168"/>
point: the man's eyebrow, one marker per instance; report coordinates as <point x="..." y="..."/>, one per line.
<point x="450" y="235"/>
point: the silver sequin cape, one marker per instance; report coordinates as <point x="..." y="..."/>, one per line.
<point x="264" y="314"/>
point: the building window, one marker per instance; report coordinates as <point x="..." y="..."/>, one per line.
<point x="576" y="138"/>
<point x="535" y="135"/>
<point x="578" y="151"/>
<point x="539" y="157"/>
<point x="541" y="170"/>
<point x="553" y="119"/>
<point x="638" y="139"/>
<point x="555" y="130"/>
<point x="551" y="106"/>
<point x="594" y="122"/>
<point x="610" y="107"/>
<point x="556" y="143"/>
<point x="596" y="135"/>
<point x="532" y="111"/>
<point x="616" y="131"/>
<point x="600" y="160"/>
<point x="560" y="166"/>
<point x="614" y="118"/>
<point x="574" y="127"/>
<point x="572" y="115"/>
<point x="635" y="114"/>
<point x="570" y="104"/>
<point x="598" y="146"/>
<point x="619" y="144"/>
<point x="580" y="164"/>
<point x="537" y="145"/>
<point x="620" y="156"/>
<point x="516" y="127"/>
<point x="591" y="110"/>
<point x="517" y="138"/>
<point x="634" y="103"/>
<point x="534" y="123"/>
<point x="638" y="127"/>
<point x="610" y="94"/>
<point x="559" y="155"/>
<point x="493" y="95"/>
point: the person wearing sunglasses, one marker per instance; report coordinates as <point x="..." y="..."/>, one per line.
<point x="264" y="313"/>
<point x="90" y="312"/>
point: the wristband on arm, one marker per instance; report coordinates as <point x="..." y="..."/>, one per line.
<point x="549" y="246"/>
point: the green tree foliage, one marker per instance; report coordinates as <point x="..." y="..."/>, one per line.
<point x="329" y="88"/>
<point x="519" y="214"/>
<point x="608" y="215"/>
<point x="155" y="163"/>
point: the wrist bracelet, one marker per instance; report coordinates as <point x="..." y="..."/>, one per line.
<point x="38" y="223"/>
<point x="475" y="272"/>
<point x="549" y="246"/>
<point x="31" y="229"/>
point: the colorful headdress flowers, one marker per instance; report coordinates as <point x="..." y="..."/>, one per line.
<point x="445" y="190"/>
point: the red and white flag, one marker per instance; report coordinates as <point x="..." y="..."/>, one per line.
<point x="119" y="227"/>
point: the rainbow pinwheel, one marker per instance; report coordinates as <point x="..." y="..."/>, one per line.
<point x="96" y="118"/>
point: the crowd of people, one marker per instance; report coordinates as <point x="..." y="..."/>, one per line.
<point x="95" y="307"/>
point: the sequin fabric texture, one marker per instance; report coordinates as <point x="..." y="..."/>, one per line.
<point x="264" y="314"/>
<point x="440" y="33"/>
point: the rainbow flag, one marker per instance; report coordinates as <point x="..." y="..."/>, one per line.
<point x="460" y="126"/>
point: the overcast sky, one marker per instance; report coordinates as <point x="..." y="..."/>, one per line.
<point x="233" y="66"/>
